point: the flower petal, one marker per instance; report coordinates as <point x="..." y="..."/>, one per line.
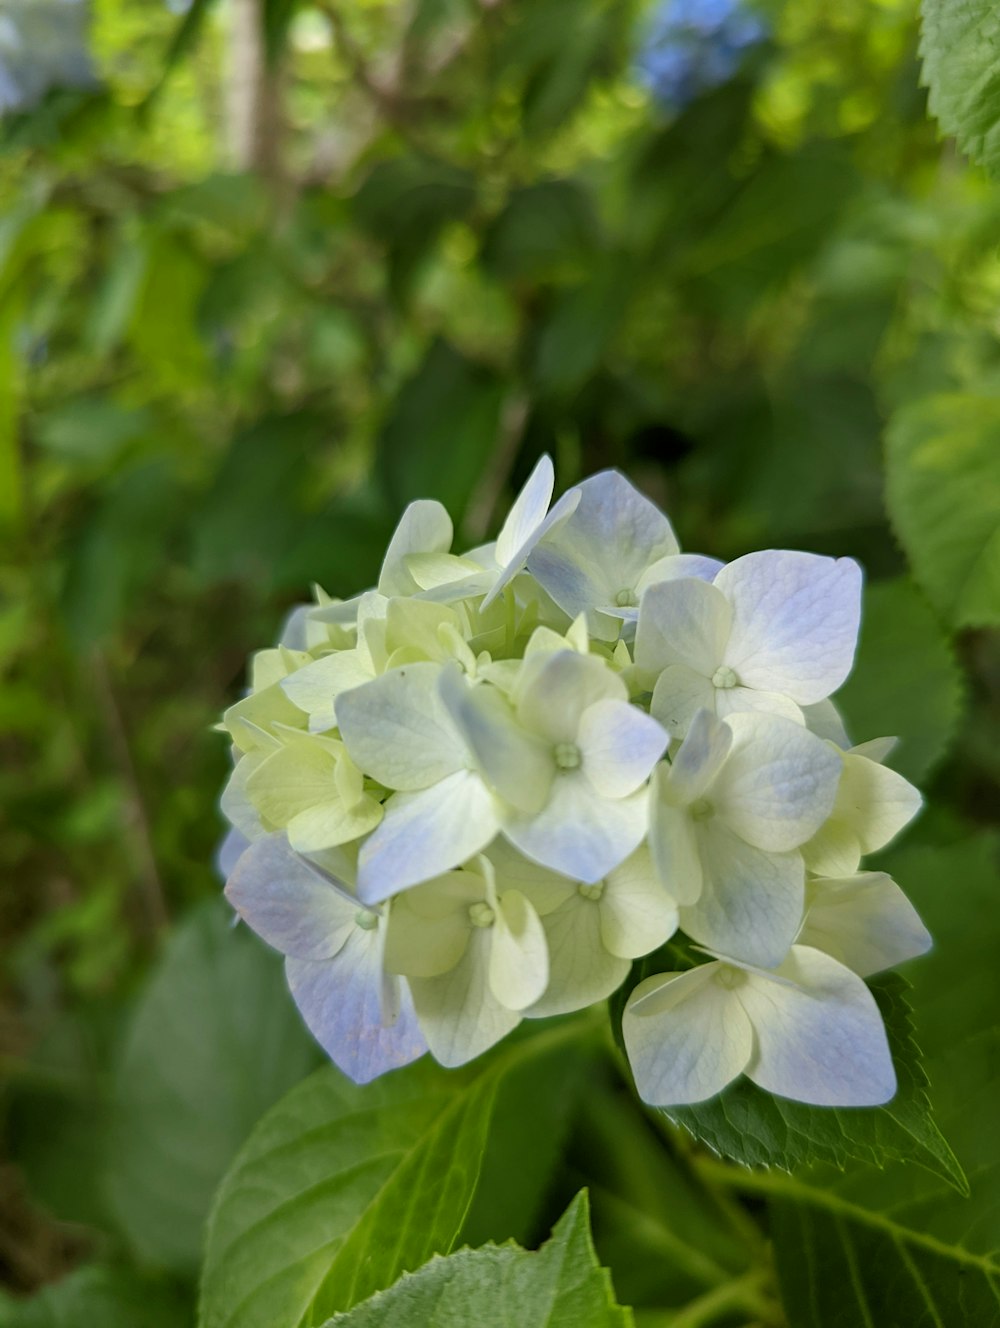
<point x="333" y="823"/>
<point x="602" y="549"/>
<point x="864" y="921"/>
<point x="341" y="1000"/>
<point x="458" y="1013"/>
<point x="519" y="959"/>
<point x="234" y="844"/>
<point x="516" y="764"/>
<point x="681" y="622"/>
<point x="875" y="801"/>
<point x="779" y="783"/>
<point x="581" y="970"/>
<point x="795" y="621"/>
<point x="751" y="903"/>
<point x="289" y="903"/>
<point x="425" y="527"/>
<point x="619" y="746"/>
<point x="429" y="925"/>
<point x="819" y="1034"/>
<point x="743" y="700"/>
<point x="686" y="1035"/>
<point x="397" y="729"/>
<point x="679" y="694"/>
<point x="823" y="719"/>
<point x="637" y="914"/>
<point x="559" y="687"/>
<point x="578" y="832"/>
<point x="316" y="687"/>
<point x="672" y="844"/>
<point x="426" y="834"/>
<point x="700" y="758"/>
<point x="528" y="511"/>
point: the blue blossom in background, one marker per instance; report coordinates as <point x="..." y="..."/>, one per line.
<point x="692" y="46"/>
<point x="43" y="45"/>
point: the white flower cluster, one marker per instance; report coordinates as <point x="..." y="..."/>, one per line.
<point x="478" y="792"/>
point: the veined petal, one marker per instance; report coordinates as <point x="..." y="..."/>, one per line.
<point x="672" y="844"/>
<point x="291" y="779"/>
<point x="316" y="687"/>
<point x="677" y="565"/>
<point x="559" y="687"/>
<point x="679" y="694"/>
<point x="517" y="765"/>
<point x="511" y="566"/>
<point x="288" y="902"/>
<point x="458" y="1013"/>
<point x="636" y="912"/>
<point x="426" y="834"/>
<point x="795" y="621"/>
<point x="341" y="1001"/>
<point x="425" y="527"/>
<point x="700" y="758"/>
<point x="875" y="801"/>
<point x="834" y="849"/>
<point x="681" y="622"/>
<point x="751" y="903"/>
<point x="528" y="511"/>
<point x="819" y="1034"/>
<point x="332" y="823"/>
<point x="743" y="700"/>
<point x="823" y="719"/>
<point x="519" y="959"/>
<point x="581" y="970"/>
<point x="578" y="832"/>
<point x="686" y="1035"/>
<point x="778" y="784"/>
<point x="864" y="921"/>
<point x="397" y="729"/>
<point x="429" y="926"/>
<point x="602" y="550"/>
<point x="619" y="746"/>
<point x="545" y="889"/>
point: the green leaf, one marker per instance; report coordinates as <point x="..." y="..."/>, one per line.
<point x="341" y="1188"/>
<point x="943" y="496"/>
<point x="547" y="232"/>
<point x="960" y="46"/>
<point x="759" y="1130"/>
<point x="441" y="431"/>
<point x="906" y="681"/>
<point x="559" y="1286"/>
<point x="215" y="1041"/>
<point x="97" y="1298"/>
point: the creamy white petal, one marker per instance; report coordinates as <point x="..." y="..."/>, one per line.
<point x="687" y="622"/>
<point x="235" y="802"/>
<point x="677" y="565"/>
<point x="342" y="1002"/>
<point x="458" y="1013"/>
<point x="637" y="914"/>
<point x="558" y="689"/>
<point x="672" y="844"/>
<point x="397" y="729"/>
<point x="700" y="758"/>
<point x="619" y="746"/>
<point x="578" y="832"/>
<point x="332" y="823"/>
<point x="795" y="621"/>
<point x="875" y="801"/>
<point x="819" y="1034"/>
<point x="679" y="694"/>
<point x="823" y="719"/>
<point x="429" y="926"/>
<point x="581" y="970"/>
<point x="778" y="784"/>
<point x="517" y="765"/>
<point x="425" y="527"/>
<point x="751" y="903"/>
<point x="864" y="921"/>
<point x="528" y="511"/>
<point x="686" y="1035"/>
<point x="519" y="959"/>
<point x="740" y="700"/>
<point x="316" y="687"/>
<point x="545" y="889"/>
<point x="288" y="902"/>
<point x="425" y="834"/>
<point x="834" y="849"/>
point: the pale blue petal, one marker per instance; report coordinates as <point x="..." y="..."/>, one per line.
<point x="579" y="833"/>
<point x="619" y="745"/>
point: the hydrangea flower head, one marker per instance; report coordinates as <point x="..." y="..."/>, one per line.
<point x="692" y="46"/>
<point x="477" y="792"/>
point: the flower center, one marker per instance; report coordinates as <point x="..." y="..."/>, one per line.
<point x="567" y="755"/>
<point x="593" y="892"/>
<point x="701" y="810"/>
<point x="731" y="977"/>
<point x="724" y="677"/>
<point x="481" y="915"/>
<point x="625" y="598"/>
<point x="366" y="919"/>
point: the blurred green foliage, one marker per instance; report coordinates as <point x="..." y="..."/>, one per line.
<point x="461" y="235"/>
